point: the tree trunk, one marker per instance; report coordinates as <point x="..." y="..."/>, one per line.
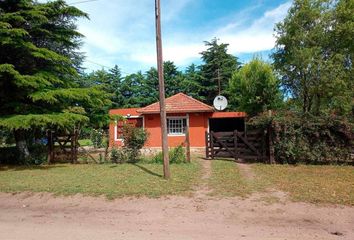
<point x="21" y="144"/>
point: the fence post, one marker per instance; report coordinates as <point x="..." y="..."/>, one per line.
<point x="235" y="145"/>
<point x="212" y="144"/>
<point x="206" y="144"/>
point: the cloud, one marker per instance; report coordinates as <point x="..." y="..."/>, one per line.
<point x="255" y="38"/>
<point x="123" y="32"/>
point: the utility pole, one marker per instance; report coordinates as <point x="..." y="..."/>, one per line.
<point x="166" y="162"/>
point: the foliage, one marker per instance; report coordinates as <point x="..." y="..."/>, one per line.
<point x="38" y="64"/>
<point x="176" y="155"/>
<point x="134" y="137"/>
<point x="98" y="138"/>
<point x="124" y="155"/>
<point x="314" y="55"/>
<point x="6" y="138"/>
<point x="254" y="88"/>
<point x="306" y="138"/>
<point x="217" y="64"/>
<point x="9" y="155"/>
<point x="134" y="140"/>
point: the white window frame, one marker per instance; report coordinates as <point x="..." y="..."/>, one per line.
<point x="177" y="118"/>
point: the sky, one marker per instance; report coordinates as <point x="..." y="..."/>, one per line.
<point x="122" y="32"/>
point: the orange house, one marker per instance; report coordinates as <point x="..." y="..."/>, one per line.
<point x="182" y="112"/>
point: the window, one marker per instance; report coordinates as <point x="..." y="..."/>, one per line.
<point x="176" y="126"/>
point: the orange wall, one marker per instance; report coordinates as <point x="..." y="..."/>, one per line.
<point x="198" y="124"/>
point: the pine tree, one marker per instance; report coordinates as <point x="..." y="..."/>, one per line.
<point x="218" y="64"/>
<point x="38" y="65"/>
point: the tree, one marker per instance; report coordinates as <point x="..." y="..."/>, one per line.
<point x="191" y="83"/>
<point x="37" y="69"/>
<point x="218" y="64"/>
<point x="312" y="55"/>
<point x="255" y="88"/>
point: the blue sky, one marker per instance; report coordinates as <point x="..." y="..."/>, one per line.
<point x="122" y="32"/>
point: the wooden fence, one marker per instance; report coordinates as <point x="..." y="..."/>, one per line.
<point x="65" y="145"/>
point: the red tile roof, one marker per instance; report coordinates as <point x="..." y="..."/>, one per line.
<point x="176" y="104"/>
<point x="124" y="111"/>
<point x="228" y="114"/>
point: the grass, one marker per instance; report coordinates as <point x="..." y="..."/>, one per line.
<point x="111" y="180"/>
<point x="310" y="183"/>
<point x="85" y="142"/>
<point x="303" y="183"/>
<point x="226" y="180"/>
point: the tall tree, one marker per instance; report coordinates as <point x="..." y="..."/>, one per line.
<point x="310" y="56"/>
<point x="217" y="65"/>
<point x="37" y="68"/>
<point x="255" y="88"/>
<point x="191" y="82"/>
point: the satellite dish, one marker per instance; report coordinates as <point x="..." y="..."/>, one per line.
<point x="220" y="102"/>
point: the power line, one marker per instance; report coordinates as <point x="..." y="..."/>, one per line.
<point x="86" y="1"/>
<point x="104" y="66"/>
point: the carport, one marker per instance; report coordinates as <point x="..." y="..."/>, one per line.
<point x="227" y="122"/>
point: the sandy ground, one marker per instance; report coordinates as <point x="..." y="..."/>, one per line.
<point x="42" y="216"/>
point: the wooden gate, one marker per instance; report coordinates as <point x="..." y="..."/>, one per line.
<point x="62" y="145"/>
<point x="238" y="145"/>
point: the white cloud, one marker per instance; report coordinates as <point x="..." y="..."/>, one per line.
<point x="122" y="32"/>
<point x="257" y="37"/>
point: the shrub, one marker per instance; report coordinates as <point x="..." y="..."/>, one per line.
<point x="308" y="139"/>
<point x="134" y="140"/>
<point x="134" y="137"/>
<point x="176" y="156"/>
<point x="9" y="155"/>
<point x="97" y="138"/>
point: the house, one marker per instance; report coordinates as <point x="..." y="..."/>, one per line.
<point x="182" y="112"/>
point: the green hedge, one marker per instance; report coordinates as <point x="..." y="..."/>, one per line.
<point x="311" y="139"/>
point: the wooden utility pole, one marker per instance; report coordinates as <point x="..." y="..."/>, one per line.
<point x="166" y="167"/>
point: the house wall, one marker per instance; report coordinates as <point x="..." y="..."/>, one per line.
<point x="198" y="124"/>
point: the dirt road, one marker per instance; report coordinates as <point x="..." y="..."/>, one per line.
<point x="41" y="216"/>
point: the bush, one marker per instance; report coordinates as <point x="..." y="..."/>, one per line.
<point x="176" y="156"/>
<point x="9" y="155"/>
<point x="97" y="138"/>
<point x="134" y="140"/>
<point x="308" y="139"/>
<point x="134" y="137"/>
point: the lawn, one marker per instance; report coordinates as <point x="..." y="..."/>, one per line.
<point x="304" y="183"/>
<point x="111" y="180"/>
<point x="226" y="180"/>
<point x="85" y="142"/>
<point x="310" y="183"/>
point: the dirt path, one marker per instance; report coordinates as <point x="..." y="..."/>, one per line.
<point x="201" y="191"/>
<point x="246" y="170"/>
